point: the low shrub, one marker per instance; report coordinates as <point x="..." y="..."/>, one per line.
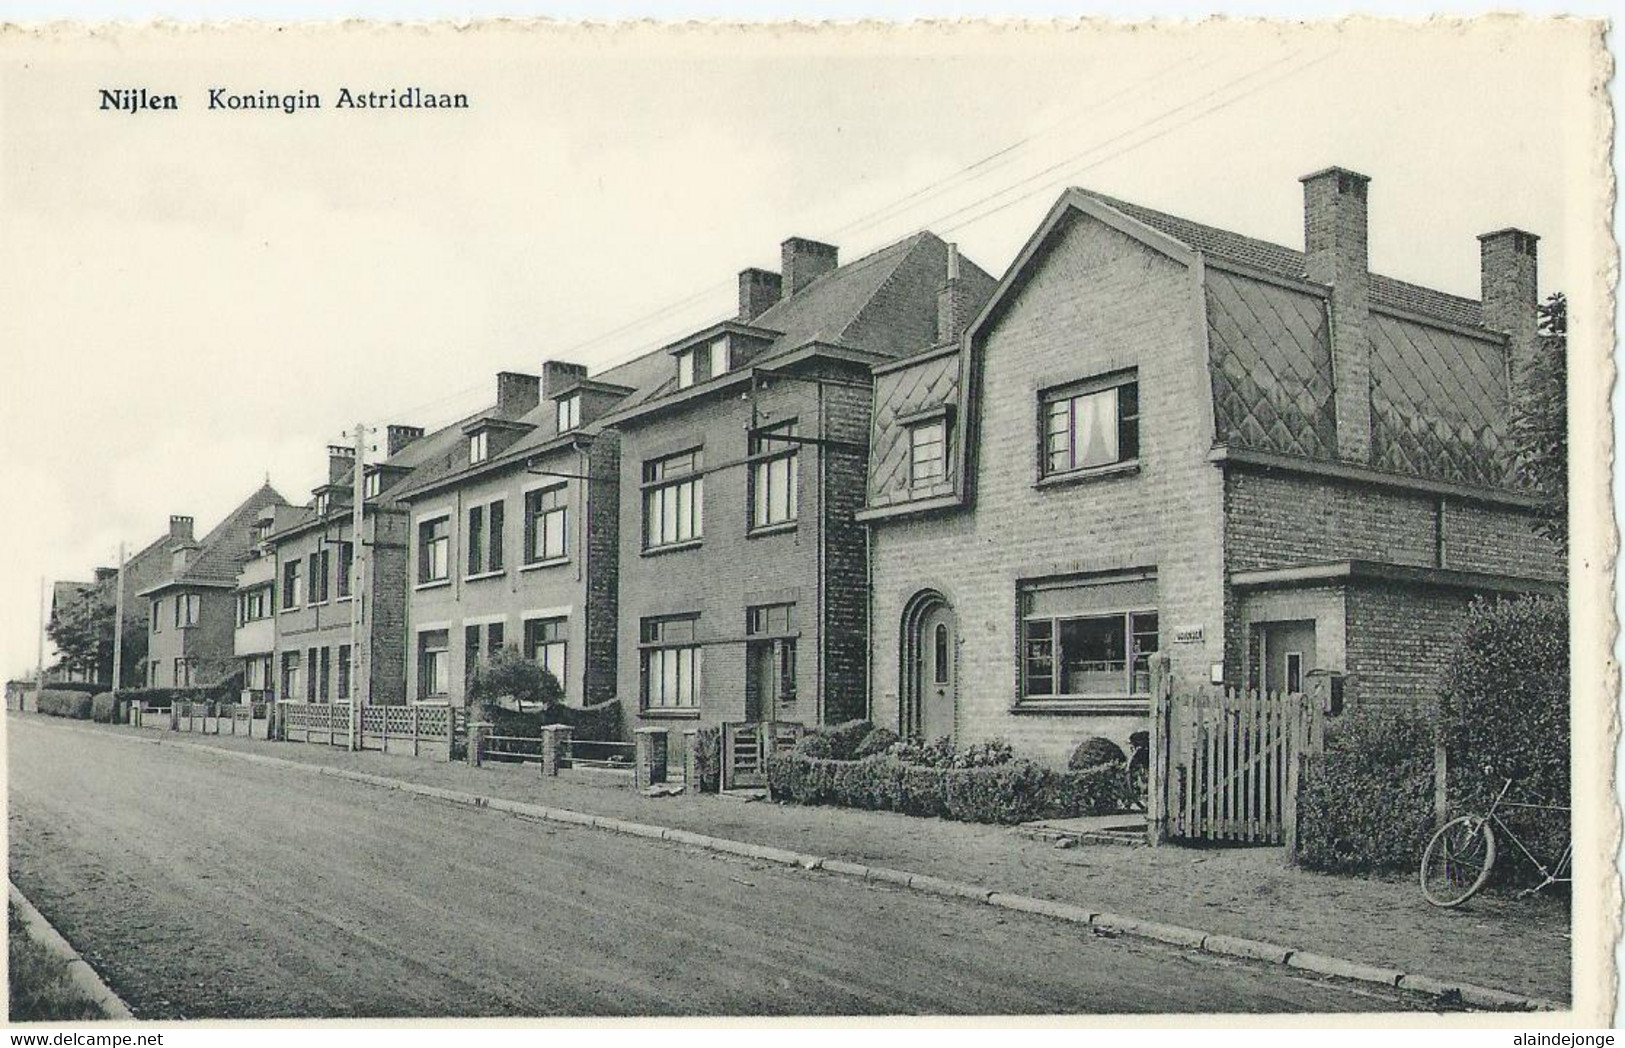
<point x="228" y="690"/>
<point x="844" y="739"/>
<point x="1099" y="790"/>
<point x="1367" y="804"/>
<point x="937" y="754"/>
<point x="1008" y="792"/>
<point x="102" y="708"/>
<point x="876" y="742"/>
<point x="74" y="704"/>
<point x="87" y="687"/>
<point x="1093" y="752"/>
<point x="990" y="753"/>
<point x="815" y="744"/>
<point x="708" y="759"/>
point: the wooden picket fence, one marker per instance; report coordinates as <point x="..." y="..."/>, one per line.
<point x="1226" y="763"/>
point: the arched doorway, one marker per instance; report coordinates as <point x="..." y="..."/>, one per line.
<point x="930" y="668"/>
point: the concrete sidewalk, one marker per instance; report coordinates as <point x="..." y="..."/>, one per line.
<point x="1520" y="946"/>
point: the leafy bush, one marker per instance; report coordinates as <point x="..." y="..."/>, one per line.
<point x="876" y="742"/>
<point x="844" y="739"/>
<point x="1367" y="803"/>
<point x="505" y="677"/>
<point x="102" y="708"/>
<point x="990" y="753"/>
<point x="1504" y="714"/>
<point x="227" y="690"/>
<point x="938" y="754"/>
<point x="708" y="760"/>
<point x="815" y="744"/>
<point x="74" y="685"/>
<point x="74" y="704"/>
<point x="1008" y="792"/>
<point x="1094" y="752"/>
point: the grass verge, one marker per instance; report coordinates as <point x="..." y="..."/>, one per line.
<point x="40" y="988"/>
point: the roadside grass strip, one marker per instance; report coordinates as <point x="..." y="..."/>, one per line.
<point x="47" y="979"/>
<point x="1447" y="993"/>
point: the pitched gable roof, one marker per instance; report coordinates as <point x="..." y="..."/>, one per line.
<point x="222" y="551"/>
<point x="1287" y="262"/>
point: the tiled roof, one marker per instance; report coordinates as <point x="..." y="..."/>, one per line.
<point x="1274" y="258"/>
<point x="64" y="593"/>
<point x="222" y="551"/>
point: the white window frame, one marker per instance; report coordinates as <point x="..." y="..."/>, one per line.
<point x="568" y="412"/>
<point x="551" y="522"/>
<point x="927" y="472"/>
<point x="433" y="664"/>
<point x="551" y="655"/>
<point x="1052" y="622"/>
<point x="774" y="477"/>
<point x="674" y="505"/>
<point x="421" y="555"/>
<point x="669" y="670"/>
<point x="372" y="484"/>
<point x="1065" y="409"/>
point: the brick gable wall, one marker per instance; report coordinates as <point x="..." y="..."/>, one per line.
<point x="1098" y="301"/>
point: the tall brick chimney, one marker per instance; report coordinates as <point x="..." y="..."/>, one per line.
<point x="180" y="527"/>
<point x="397" y="437"/>
<point x="340" y="463"/>
<point x="758" y="289"/>
<point x="517" y="393"/>
<point x="1335" y="253"/>
<point x="953" y="302"/>
<point x="560" y="374"/>
<point x="804" y="261"/>
<point x="1509" y="290"/>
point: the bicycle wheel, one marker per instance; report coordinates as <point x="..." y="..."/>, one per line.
<point x="1457" y="861"/>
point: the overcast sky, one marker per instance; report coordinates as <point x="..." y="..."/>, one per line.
<point x="195" y="300"/>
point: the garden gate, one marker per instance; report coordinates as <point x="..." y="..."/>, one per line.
<point x="745" y="748"/>
<point x="1226" y="763"/>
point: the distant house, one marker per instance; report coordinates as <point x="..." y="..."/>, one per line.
<point x="68" y="668"/>
<point x="1163" y="437"/>
<point x="309" y="556"/>
<point x="192" y="606"/>
<point x="515" y="544"/>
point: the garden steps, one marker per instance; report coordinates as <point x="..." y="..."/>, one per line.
<point x="1123" y="828"/>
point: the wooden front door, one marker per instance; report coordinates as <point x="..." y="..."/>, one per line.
<point x="1287" y="654"/>
<point x="937" y="673"/>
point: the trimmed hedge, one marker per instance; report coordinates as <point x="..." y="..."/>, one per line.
<point x="74" y="704"/>
<point x="1504" y="714"/>
<point x="1010" y="792"/>
<point x="601" y="723"/>
<point x="228" y="690"/>
<point x="1367" y="803"/>
<point x="102" y="708"/>
<point x="75" y="685"/>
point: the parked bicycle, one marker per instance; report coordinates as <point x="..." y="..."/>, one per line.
<point x="1457" y="861"/>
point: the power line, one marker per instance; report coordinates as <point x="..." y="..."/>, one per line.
<point x="1145" y="141"/>
<point x="930" y="191"/>
<point x="934" y="189"/>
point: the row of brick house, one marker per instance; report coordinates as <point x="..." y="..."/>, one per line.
<point x="900" y="488"/>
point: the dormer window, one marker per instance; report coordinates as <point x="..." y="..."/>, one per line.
<point x="372" y="485"/>
<point x="479" y="446"/>
<point x="323" y="502"/>
<point x="719" y="357"/>
<point x="694" y="365"/>
<point x="569" y="412"/>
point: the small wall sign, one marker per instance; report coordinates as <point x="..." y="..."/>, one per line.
<point x="1188" y="635"/>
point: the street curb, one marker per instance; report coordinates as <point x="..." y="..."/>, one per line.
<point x="1445" y="991"/>
<point x="80" y="973"/>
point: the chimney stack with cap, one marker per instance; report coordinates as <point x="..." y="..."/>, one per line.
<point x="517" y="393"/>
<point x="804" y="261"/>
<point x="1510" y="293"/>
<point x="340" y="463"/>
<point x="397" y="437"/>
<point x="953" y="302"/>
<point x="560" y="375"/>
<point x="758" y="290"/>
<point x="180" y="527"/>
<point x="1336" y="254"/>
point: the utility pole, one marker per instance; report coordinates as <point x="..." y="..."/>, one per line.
<point x="39" y="664"/>
<point x="358" y="576"/>
<point x="118" y="623"/>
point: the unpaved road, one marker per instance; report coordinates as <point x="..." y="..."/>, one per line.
<point x="206" y="886"/>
